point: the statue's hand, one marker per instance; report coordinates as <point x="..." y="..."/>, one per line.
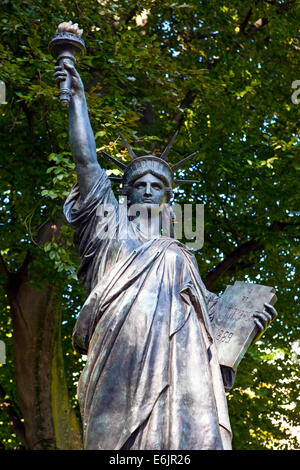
<point x="263" y="319"/>
<point x="68" y="70"/>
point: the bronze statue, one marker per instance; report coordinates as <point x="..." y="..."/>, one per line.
<point x="152" y="378"/>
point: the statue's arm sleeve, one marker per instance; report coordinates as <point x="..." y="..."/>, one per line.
<point x="89" y="215"/>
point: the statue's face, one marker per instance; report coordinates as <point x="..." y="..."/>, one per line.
<point x="147" y="190"/>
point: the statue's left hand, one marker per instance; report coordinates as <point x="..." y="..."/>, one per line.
<point x="264" y="318"/>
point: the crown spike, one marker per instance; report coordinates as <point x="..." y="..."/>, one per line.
<point x="119" y="164"/>
<point x="129" y="149"/>
<point x="186" y="181"/>
<point x="166" y="152"/>
<point x="179" y="164"/>
<point x="116" y="178"/>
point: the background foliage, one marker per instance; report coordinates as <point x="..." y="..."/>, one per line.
<point x="222" y="73"/>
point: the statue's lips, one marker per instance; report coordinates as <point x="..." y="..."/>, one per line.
<point x="148" y="200"/>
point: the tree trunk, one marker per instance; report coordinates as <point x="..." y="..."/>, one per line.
<point x="50" y="421"/>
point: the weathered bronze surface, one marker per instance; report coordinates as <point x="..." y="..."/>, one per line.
<point x="152" y="378"/>
<point x="234" y="326"/>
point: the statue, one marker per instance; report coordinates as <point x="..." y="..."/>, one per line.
<point x="152" y="379"/>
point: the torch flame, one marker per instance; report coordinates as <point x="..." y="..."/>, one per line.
<point x="69" y="28"/>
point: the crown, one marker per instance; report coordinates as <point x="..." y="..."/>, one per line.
<point x="151" y="163"/>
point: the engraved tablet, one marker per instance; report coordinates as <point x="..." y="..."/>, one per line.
<point x="234" y="326"/>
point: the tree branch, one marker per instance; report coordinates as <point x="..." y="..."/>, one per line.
<point x="233" y="258"/>
<point x="187" y="101"/>
<point x="246" y="20"/>
<point x="241" y="251"/>
<point x="277" y="226"/>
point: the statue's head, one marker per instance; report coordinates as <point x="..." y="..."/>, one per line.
<point x="148" y="177"/>
<point x="147" y="180"/>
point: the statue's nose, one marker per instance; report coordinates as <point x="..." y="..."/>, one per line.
<point x="148" y="191"/>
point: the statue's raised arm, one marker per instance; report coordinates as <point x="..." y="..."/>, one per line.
<point x="82" y="139"/>
<point x="81" y="135"/>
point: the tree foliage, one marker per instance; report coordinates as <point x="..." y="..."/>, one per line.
<point x="221" y="73"/>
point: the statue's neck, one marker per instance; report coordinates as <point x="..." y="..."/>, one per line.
<point x="149" y="227"/>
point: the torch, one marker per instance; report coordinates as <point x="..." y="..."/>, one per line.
<point x="66" y="45"/>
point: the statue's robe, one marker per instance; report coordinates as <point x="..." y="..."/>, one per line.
<point x="152" y="378"/>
